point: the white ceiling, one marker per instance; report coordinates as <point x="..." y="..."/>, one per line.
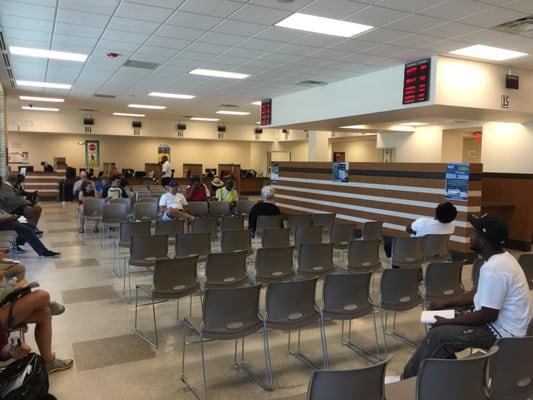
<point x="235" y="35"/>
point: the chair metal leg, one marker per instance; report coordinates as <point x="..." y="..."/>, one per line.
<point x="324" y="342"/>
<point x="184" y="378"/>
<point x="154" y="344"/>
<point x="299" y="355"/>
<point x="246" y="369"/>
<point x="357" y="349"/>
<point x="398" y="336"/>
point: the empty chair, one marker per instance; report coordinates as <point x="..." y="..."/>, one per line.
<point x="113" y="215"/>
<point x="170" y="228"/>
<point x="193" y="244"/>
<point x="341" y="233"/>
<point x="236" y="240"/>
<point x="399" y="292"/>
<point x="198" y="208"/>
<point x="205" y="225"/>
<point x="363" y="256"/>
<point x="326" y="220"/>
<point x="93" y="209"/>
<point x="269" y="222"/>
<point x="307" y="234"/>
<point x="274" y="264"/>
<point x="347" y="297"/>
<point x="435" y="248"/>
<point x="131" y="228"/>
<point x="526" y="262"/>
<point x="315" y="259"/>
<point x="407" y="252"/>
<point x="148" y="200"/>
<point x="228" y="314"/>
<point x="476" y="268"/>
<point x="511" y="369"/>
<point x="372" y="230"/>
<point x="443" y="280"/>
<point x="126" y="202"/>
<point x="173" y="279"/>
<point x="142" y="193"/>
<point x="146" y="211"/>
<point x="226" y="269"/>
<point x="243" y="207"/>
<point x="232" y="223"/>
<point x="276" y="237"/>
<point x="364" y="383"/>
<point x="219" y="208"/>
<point x="299" y="219"/>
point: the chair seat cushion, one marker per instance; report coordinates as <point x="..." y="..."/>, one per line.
<point x="232" y="330"/>
<point x="291" y="322"/>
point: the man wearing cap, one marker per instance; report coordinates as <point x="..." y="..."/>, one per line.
<point x="172" y="204"/>
<point x="501" y="301"/>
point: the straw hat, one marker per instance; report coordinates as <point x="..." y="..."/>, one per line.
<point x="217" y="182"/>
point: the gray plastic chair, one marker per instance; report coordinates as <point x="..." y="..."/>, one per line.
<point x="170" y="228"/>
<point x="476" y="268"/>
<point x="407" y="252"/>
<point x="205" y="225"/>
<point x="364" y="383"/>
<point x="148" y="200"/>
<point x="341" y="233"/>
<point x="363" y="256"/>
<point x="291" y="306"/>
<point x="526" y="262"/>
<point x="93" y="210"/>
<point x="274" y="264"/>
<point x="511" y="369"/>
<point x="268" y="222"/>
<point x="146" y="211"/>
<point x="188" y="244"/>
<point x="307" y="234"/>
<point x="226" y="269"/>
<point x="372" y="230"/>
<point x="327" y="220"/>
<point x="173" y="279"/>
<point x="198" y="208"/>
<point x="276" y="238"/>
<point x="113" y="215"/>
<point x="232" y="223"/>
<point x="299" y="219"/>
<point x="435" y="248"/>
<point x="229" y="314"/>
<point x="126" y="231"/>
<point x="347" y="297"/>
<point x="399" y="292"/>
<point x="236" y="240"/>
<point x="126" y="202"/>
<point x="244" y="207"/>
<point x="219" y="208"/>
<point x="443" y="280"/>
<point x="315" y="259"/>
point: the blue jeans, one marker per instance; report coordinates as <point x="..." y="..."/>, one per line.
<point x="25" y="234"/>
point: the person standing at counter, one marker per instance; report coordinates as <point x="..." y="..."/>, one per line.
<point x="166" y="171"/>
<point x="197" y="191"/>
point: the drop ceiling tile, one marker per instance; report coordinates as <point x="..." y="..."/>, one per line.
<point x="229" y="60"/>
<point x="207" y="48"/>
<point x="415" y="41"/>
<point x="360" y="58"/>
<point x="169" y="43"/>
<point x="245" y="53"/>
<point x="329" y="54"/>
<point x="353" y="45"/>
<point x="78" y="30"/>
<point x="27" y="43"/>
<point x="26" y="10"/>
<point x="382" y="35"/>
<point x="221" y="38"/>
<point x="215" y="8"/>
<point x="483" y="36"/>
<point x="72" y="40"/>
<point x="158" y="51"/>
<point x="333" y="8"/>
<point x="11" y="21"/>
<point x="450" y="29"/>
<point x="261" y="15"/>
<point x="277" y="58"/>
<point x="193" y="55"/>
<point x="291" y="6"/>
<point x="45" y="3"/>
<point x="132" y="25"/>
<point x="191" y="20"/>
<point x="159" y="59"/>
<point x="413" y="55"/>
<point x="142" y="12"/>
<point x="492" y="17"/>
<point x="161" y="3"/>
<point x="524" y="6"/>
<point x="415" y="23"/>
<point x="118" y="47"/>
<point x="18" y="33"/>
<point x="82" y="18"/>
<point x="453" y="9"/>
<point x="385" y="50"/>
<point x="408" y="5"/>
<point x="95" y="6"/>
<point x="279" y="34"/>
<point x="261" y="44"/>
<point x="377" y="16"/>
<point x="130" y="37"/>
<point x="179" y="32"/>
<point x="320" y="41"/>
<point x="296" y="49"/>
<point x="445" y="46"/>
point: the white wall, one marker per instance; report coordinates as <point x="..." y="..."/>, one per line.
<point x="469" y="144"/>
<point x="452" y="146"/>
<point x="319" y="148"/>
<point x="423" y="145"/>
<point x="358" y="150"/>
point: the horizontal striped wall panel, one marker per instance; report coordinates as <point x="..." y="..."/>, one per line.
<point x="47" y="183"/>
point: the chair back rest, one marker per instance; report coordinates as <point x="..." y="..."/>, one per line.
<point x="407" y="252"/>
<point x="205" y="225"/>
<point x="315" y="257"/>
<point x="511" y="369"/>
<point x="307" y="234"/>
<point x="373" y="230"/>
<point x="291" y="301"/>
<point x="276" y="237"/>
<point x="526" y="262"/>
<point x="399" y="289"/>
<point x="198" y="208"/>
<point x="219" y="208"/>
<point x="236" y="240"/>
<point x="444" y="279"/>
<point x="476" y="269"/>
<point x="341" y="233"/>
<point x="175" y="274"/>
<point x="126" y="202"/>
<point x="367" y="383"/>
<point x="244" y="207"/>
<point x="347" y="292"/>
<point x="225" y="268"/>
<point x="436" y="247"/>
<point x="149" y="247"/>
<point x="170" y="228"/>
<point x="148" y="200"/>
<point x="295" y="220"/>
<point x="444" y="379"/>
<point x="146" y="211"/>
<point x="363" y="254"/>
<point x="93" y="207"/>
<point x="129" y="229"/>
<point x="326" y="220"/>
<point x="193" y="243"/>
<point x="274" y="261"/>
<point x="269" y="222"/>
<point x="114" y="213"/>
<point x="232" y="223"/>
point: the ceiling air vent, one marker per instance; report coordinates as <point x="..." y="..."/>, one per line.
<point x="229" y="105"/>
<point x="518" y="26"/>
<point x="88" y="110"/>
<point x="105" y="96"/>
<point x="6" y="60"/>
<point x="311" y="83"/>
<point x="2" y="42"/>
<point x="141" y="64"/>
<point x="10" y="74"/>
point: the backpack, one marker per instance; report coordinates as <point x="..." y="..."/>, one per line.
<point x="25" y="379"/>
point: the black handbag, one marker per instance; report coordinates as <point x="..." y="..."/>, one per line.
<point x="25" y="379"/>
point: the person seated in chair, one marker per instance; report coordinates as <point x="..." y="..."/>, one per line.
<point x="197" y="191"/>
<point x="501" y="301"/>
<point x="17" y="182"/>
<point x="12" y="203"/>
<point x="265" y="207"/>
<point x="114" y="191"/>
<point x="172" y="204"/>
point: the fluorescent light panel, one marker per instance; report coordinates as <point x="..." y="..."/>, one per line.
<point x="218" y="74"/>
<point x="256" y="103"/>
<point x="147" y="106"/>
<point x="488" y="53"/>
<point x="224" y="112"/>
<point x="353" y="127"/>
<point x="326" y="26"/>
<point x="44" y="99"/>
<point x="204" y="119"/>
<point x="119" y="114"/>
<point x="414" y="123"/>
<point x="39" y="108"/>
<point x="48" y="85"/>
<point x="52" y="54"/>
<point x="172" y="95"/>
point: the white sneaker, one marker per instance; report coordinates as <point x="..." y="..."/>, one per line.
<point x="392" y="379"/>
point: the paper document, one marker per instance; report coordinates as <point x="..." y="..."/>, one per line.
<point x="428" y="317"/>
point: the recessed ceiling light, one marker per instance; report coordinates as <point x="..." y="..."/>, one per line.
<point x="488" y="53"/>
<point x="39" y="108"/>
<point x="172" y="95"/>
<point x="45" y="99"/>
<point x="119" y="114"/>
<point x="148" y="106"/>
<point x="48" y="85"/>
<point x="353" y="127"/>
<point x="219" y="74"/>
<point x="326" y="26"/>
<point x="204" y="119"/>
<point x="233" y="112"/>
<point x="414" y="123"/>
<point x="256" y="103"/>
<point x="52" y="54"/>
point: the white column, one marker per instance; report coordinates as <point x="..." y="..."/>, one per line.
<point x="319" y="148"/>
<point x="3" y="160"/>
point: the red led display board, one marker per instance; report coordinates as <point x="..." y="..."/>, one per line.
<point x="266" y="111"/>
<point x="416" y="81"/>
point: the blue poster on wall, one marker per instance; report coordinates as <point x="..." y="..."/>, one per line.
<point x="457" y="181"/>
<point x="340" y="171"/>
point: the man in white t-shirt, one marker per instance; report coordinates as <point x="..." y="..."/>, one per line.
<point x="172" y="204"/>
<point x="501" y="301"/>
<point x="166" y="171"/>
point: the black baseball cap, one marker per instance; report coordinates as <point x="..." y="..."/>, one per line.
<point x="492" y="227"/>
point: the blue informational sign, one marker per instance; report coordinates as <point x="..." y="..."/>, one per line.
<point x="457" y="181"/>
<point x="340" y="171"/>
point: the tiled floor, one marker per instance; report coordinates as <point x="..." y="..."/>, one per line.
<point x="112" y="363"/>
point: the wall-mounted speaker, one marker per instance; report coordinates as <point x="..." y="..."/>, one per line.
<point x="88" y="121"/>
<point x="136" y="124"/>
<point x="285" y="131"/>
<point x="258" y="131"/>
<point x="181" y="126"/>
<point x="511" y="81"/>
<point x="221" y="128"/>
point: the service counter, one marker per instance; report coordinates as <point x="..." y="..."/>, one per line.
<point x="47" y="183"/>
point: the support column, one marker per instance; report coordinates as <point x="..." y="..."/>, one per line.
<point x="3" y="130"/>
<point x="319" y="148"/>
